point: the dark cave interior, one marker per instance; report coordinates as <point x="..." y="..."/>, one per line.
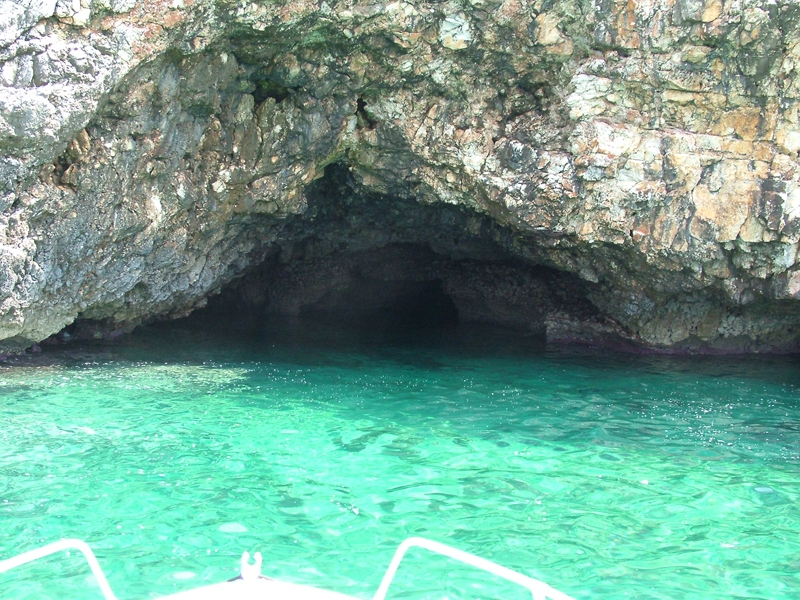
<point x="398" y="265"/>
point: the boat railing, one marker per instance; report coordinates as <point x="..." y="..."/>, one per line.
<point x="539" y="589"/>
<point x="61" y="546"/>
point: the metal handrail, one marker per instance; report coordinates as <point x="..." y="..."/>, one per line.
<point x="69" y="544"/>
<point x="538" y="589"/>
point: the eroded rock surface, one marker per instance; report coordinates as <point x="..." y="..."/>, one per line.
<point x="645" y="152"/>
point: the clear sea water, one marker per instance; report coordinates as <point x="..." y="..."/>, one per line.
<point x="606" y="475"/>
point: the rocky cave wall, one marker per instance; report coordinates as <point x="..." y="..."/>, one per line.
<point x="645" y="153"/>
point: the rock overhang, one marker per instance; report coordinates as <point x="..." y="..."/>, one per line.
<point x="648" y="151"/>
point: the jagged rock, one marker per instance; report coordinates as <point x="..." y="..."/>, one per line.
<point x="152" y="152"/>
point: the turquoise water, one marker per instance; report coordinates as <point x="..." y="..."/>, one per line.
<point x="608" y="476"/>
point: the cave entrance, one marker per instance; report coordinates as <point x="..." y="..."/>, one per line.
<point x="393" y="307"/>
<point x="403" y="291"/>
<point x="389" y="265"/>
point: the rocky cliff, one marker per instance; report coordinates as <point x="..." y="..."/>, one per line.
<point x="590" y="169"/>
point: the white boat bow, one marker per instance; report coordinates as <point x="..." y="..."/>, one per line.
<point x="251" y="585"/>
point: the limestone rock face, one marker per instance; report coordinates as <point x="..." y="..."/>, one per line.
<point x="153" y="151"/>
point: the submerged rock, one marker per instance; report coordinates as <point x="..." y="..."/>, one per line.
<point x="644" y="154"/>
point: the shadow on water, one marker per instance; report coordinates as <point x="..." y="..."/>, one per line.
<point x="323" y="340"/>
<point x="310" y="339"/>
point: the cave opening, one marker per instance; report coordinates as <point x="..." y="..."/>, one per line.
<point x="423" y="306"/>
<point x="392" y="266"/>
<point x="393" y="307"/>
<point x="389" y="267"/>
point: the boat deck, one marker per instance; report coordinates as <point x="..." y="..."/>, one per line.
<point x="257" y="589"/>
